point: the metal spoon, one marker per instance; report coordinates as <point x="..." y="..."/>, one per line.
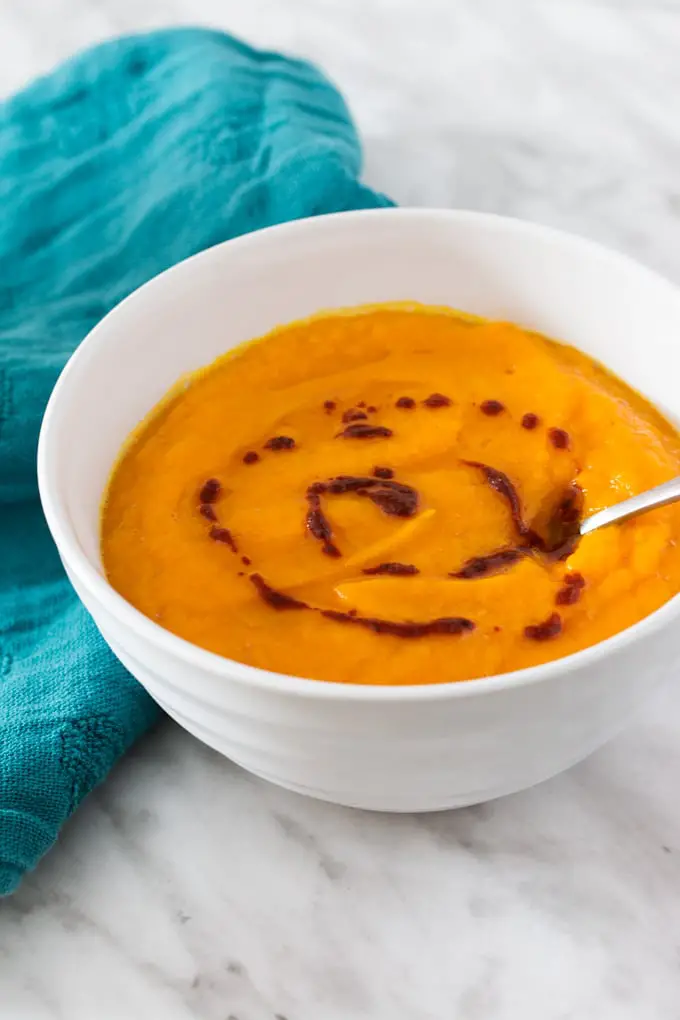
<point x="661" y="495"/>
<point x="565" y="527"/>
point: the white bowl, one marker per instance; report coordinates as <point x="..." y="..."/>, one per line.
<point x="418" y="748"/>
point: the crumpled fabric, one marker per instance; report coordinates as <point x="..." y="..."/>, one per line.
<point x="123" y="161"/>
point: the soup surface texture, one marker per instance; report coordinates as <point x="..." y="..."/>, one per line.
<point x="356" y="497"/>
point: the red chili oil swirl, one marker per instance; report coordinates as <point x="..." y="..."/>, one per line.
<point x="395" y="569"/>
<point x="224" y="536"/>
<point x="361" y="430"/>
<point x="568" y="595"/>
<point x="280" y="443"/>
<point x="446" y="625"/>
<point x="275" y="599"/>
<point x="562" y="532"/>
<point x="500" y="482"/>
<point x="564" y="551"/>
<point x="210" y="491"/>
<point x="545" y="631"/>
<point x="394" y="499"/>
<point x="397" y="499"/>
<point x="559" y="438"/>
<point x="491" y="408"/>
<point x="484" y="566"/>
<point x="436" y="400"/>
<point x="577" y="579"/>
<point x="353" y="414"/>
<point x="318" y="525"/>
<point x="451" y="625"/>
<point x="572" y="590"/>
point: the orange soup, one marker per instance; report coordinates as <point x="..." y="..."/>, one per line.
<point x="357" y="497"/>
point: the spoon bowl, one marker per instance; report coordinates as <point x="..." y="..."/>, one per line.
<point x="559" y="536"/>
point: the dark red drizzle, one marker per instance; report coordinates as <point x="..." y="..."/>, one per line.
<point x="246" y="561"/>
<point x="280" y="443"/>
<point x="398" y="499"/>
<point x="371" y="409"/>
<point x="354" y="415"/>
<point x="483" y="566"/>
<point x="273" y="598"/>
<point x="449" y="625"/>
<point x="393" y="498"/>
<point x="568" y="595"/>
<point x="360" y="430"/>
<point x="345" y="483"/>
<point x="444" y="625"/>
<point x="210" y="491"/>
<point x="499" y="481"/>
<point x="576" y="579"/>
<point x="563" y="551"/>
<point x="563" y="524"/>
<point x="223" y="535"/>
<point x="361" y="403"/>
<point x="559" y="438"/>
<point x="208" y="511"/>
<point x="437" y="400"/>
<point x="318" y="524"/>
<point x="316" y="521"/>
<point x="329" y="406"/>
<point x="550" y="628"/>
<point x="491" y="407"/>
<point x="396" y="569"/>
<point x="572" y="590"/>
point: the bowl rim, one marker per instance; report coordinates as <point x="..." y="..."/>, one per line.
<point x="79" y="564"/>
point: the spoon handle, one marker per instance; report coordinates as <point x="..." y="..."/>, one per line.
<point x="669" y="492"/>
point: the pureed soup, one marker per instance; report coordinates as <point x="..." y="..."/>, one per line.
<point x="359" y="497"/>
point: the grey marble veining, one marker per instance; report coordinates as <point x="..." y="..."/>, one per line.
<point x="186" y="889"/>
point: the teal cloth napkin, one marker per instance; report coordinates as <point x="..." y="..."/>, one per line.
<point x="125" y="160"/>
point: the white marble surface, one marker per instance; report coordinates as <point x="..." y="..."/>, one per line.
<point x="184" y="888"/>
